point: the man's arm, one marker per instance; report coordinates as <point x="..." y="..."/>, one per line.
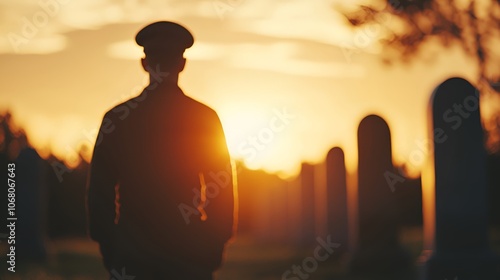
<point x="101" y="186"/>
<point x="219" y="185"/>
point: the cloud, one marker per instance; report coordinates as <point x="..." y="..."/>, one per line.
<point x="37" y="26"/>
<point x="32" y="27"/>
<point x="282" y="58"/>
<point x="127" y="49"/>
<point x="43" y="45"/>
<point x="311" y="20"/>
<point x="90" y="14"/>
<point x="315" y="21"/>
<point x="205" y="51"/>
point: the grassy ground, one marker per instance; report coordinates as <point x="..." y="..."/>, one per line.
<point x="78" y="259"/>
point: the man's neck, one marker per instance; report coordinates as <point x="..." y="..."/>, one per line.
<point x="163" y="80"/>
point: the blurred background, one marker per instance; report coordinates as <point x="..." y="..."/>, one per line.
<point x="289" y="79"/>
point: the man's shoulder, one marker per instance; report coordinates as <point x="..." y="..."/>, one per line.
<point x="201" y="108"/>
<point x="188" y="105"/>
<point x="123" y="109"/>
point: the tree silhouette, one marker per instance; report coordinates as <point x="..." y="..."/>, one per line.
<point x="12" y="138"/>
<point x="472" y="25"/>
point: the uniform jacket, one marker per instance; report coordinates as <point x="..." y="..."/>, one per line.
<point x="157" y="157"/>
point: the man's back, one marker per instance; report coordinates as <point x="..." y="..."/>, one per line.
<point x="158" y="149"/>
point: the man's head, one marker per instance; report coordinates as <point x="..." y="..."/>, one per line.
<point x="164" y="44"/>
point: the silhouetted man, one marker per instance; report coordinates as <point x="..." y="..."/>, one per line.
<point x="160" y="193"/>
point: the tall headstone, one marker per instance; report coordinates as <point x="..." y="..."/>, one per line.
<point x="31" y="201"/>
<point x="308" y="236"/>
<point x="337" y="225"/>
<point x="460" y="238"/>
<point x="377" y="247"/>
<point x="494" y="188"/>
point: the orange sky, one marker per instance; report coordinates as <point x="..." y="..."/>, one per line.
<point x="289" y="79"/>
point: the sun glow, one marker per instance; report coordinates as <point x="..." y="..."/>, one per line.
<point x="241" y="126"/>
<point x="261" y="136"/>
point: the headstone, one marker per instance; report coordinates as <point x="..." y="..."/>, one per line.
<point x="494" y="188"/>
<point x="278" y="201"/>
<point x="31" y="199"/>
<point x="4" y="231"/>
<point x="377" y="246"/>
<point x="337" y="225"/>
<point x="409" y="196"/>
<point x="294" y="213"/>
<point x="308" y="236"/>
<point x="262" y="209"/>
<point x="270" y="210"/>
<point x="460" y="242"/>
